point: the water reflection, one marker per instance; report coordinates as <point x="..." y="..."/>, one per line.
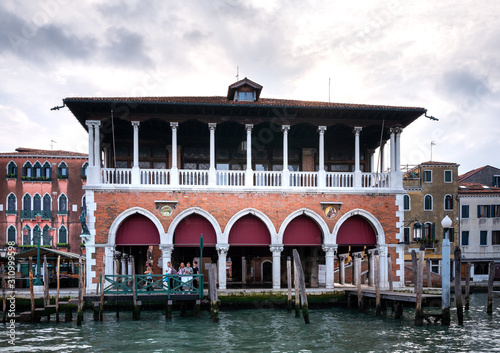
<point x="264" y="330"/>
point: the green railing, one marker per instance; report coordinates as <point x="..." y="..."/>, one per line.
<point x="154" y="284"/>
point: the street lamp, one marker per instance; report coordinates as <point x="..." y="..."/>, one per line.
<point x="445" y="272"/>
<point x="417" y="231"/>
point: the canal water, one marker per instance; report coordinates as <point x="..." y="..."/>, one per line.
<point x="263" y="330"/>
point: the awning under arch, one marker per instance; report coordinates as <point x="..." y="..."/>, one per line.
<point x="356" y="230"/>
<point x="302" y="231"/>
<point x="137" y="230"/>
<point x="249" y="230"/>
<point x="188" y="232"/>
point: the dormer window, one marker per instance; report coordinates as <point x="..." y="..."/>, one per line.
<point x="244" y="91"/>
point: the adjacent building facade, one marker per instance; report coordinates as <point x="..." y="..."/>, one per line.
<point x="432" y="194"/>
<point x="257" y="177"/>
<point x="480" y="220"/>
<point x="42" y="191"/>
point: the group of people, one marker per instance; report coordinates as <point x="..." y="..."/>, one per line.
<point x="185" y="270"/>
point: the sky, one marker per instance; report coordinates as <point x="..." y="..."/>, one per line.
<point x="440" y="55"/>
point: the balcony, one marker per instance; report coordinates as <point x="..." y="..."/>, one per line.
<point x="29" y="214"/>
<point x="249" y="180"/>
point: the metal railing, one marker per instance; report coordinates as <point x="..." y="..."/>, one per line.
<point x="154" y="284"/>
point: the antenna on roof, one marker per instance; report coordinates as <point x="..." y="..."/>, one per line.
<point x="52" y="144"/>
<point x="432" y="144"/>
<point x="237" y="73"/>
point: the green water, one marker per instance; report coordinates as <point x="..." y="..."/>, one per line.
<point x="264" y="330"/>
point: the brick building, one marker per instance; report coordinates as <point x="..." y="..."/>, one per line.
<point x="44" y="183"/>
<point x="432" y="194"/>
<point x="256" y="176"/>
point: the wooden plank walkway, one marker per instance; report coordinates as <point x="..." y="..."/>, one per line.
<point x="427" y="299"/>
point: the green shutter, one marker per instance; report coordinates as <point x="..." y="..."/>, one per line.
<point x="433" y="231"/>
<point x="452" y="235"/>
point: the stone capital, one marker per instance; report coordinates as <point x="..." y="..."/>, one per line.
<point x="357" y="130"/>
<point x="135" y="124"/>
<point x="174" y="125"/>
<point x="321" y="129"/>
<point x="211" y="126"/>
<point x="329" y="249"/>
<point x="222" y="249"/>
<point x="248" y="127"/>
<point x="285" y="128"/>
<point x="276" y="248"/>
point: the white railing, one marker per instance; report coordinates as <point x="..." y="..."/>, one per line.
<point x="237" y="178"/>
<point x="193" y="177"/>
<point x="339" y="180"/>
<point x="304" y="179"/>
<point x="155" y="176"/>
<point x="230" y="177"/>
<point x="268" y="179"/>
<point x="116" y="176"/>
<point x="375" y="180"/>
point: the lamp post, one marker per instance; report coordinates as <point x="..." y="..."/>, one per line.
<point x="445" y="273"/>
<point x="417" y="231"/>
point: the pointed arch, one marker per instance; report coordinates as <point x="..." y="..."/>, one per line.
<point x="47" y="202"/>
<point x="62" y="202"/>
<point x="11" y="235"/>
<point x="11" y="203"/>
<point x="311" y="214"/>
<point x="377" y="227"/>
<point x="132" y="211"/>
<point x="191" y="211"/>
<point x="26" y="202"/>
<point x="254" y="212"/>
<point x="12" y="169"/>
<point x="37" y="202"/>
<point x="62" y="234"/>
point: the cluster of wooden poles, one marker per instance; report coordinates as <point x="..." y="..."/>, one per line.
<point x="299" y="285"/>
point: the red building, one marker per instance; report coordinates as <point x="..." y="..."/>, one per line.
<point x="256" y="176"/>
<point x="44" y="183"/>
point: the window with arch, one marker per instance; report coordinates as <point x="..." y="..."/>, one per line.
<point x="37" y="202"/>
<point x="62" y="171"/>
<point x="406" y="200"/>
<point x="448" y="203"/>
<point x="11" y="204"/>
<point x="46" y="236"/>
<point x="429" y="231"/>
<point x="428" y="203"/>
<point x="63" y="235"/>
<point x="11" y="170"/>
<point x="37" y="170"/>
<point x="84" y="170"/>
<point x="27" y="237"/>
<point x="27" y="170"/>
<point x="47" y="202"/>
<point x="47" y="170"/>
<point x="11" y="234"/>
<point x="37" y="232"/>
<point x="63" y="205"/>
<point x="27" y="202"/>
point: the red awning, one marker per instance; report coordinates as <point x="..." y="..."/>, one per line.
<point x="249" y="230"/>
<point x="302" y="231"/>
<point x="356" y="230"/>
<point x="188" y="231"/>
<point x="137" y="230"/>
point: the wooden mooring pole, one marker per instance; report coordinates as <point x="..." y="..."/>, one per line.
<point x="303" y="294"/>
<point x="428" y="270"/>
<point x="79" y="315"/>
<point x="214" y="298"/>
<point x="378" y="307"/>
<point x="289" y="283"/>
<point x="467" y="285"/>
<point x="296" y="285"/>
<point x="46" y="297"/>
<point x="4" y="297"/>
<point x="419" y="314"/>
<point x="136" y="313"/>
<point x="101" y="304"/>
<point x="32" y="294"/>
<point x="58" y="284"/>
<point x="357" y="259"/>
<point x="414" y="265"/>
<point x="389" y="272"/>
<point x="458" y="285"/>
<point x="491" y="278"/>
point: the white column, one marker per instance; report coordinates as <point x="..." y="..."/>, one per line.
<point x="244" y="270"/>
<point x="321" y="150"/>
<point x="97" y="145"/>
<point x="330" y="265"/>
<point x="342" y="259"/>
<point x="109" y="261"/>
<point x="286" y="173"/>
<point x="136" y="173"/>
<point x="393" y="150"/>
<point x="211" y="172"/>
<point x="276" y="250"/>
<point x="174" y="171"/>
<point x="371" y="153"/>
<point x="129" y="270"/>
<point x="124" y="264"/>
<point x="249" y="171"/>
<point x="222" y="251"/>
<point x="166" y="255"/>
<point x="90" y="126"/>
<point x="398" y="149"/>
<point x="371" y="267"/>
<point x="382" y="250"/>
<point x="357" y="169"/>
<point x="382" y="157"/>
<point x="106" y="150"/>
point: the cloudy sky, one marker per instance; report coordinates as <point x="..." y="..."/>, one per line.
<point x="441" y="55"/>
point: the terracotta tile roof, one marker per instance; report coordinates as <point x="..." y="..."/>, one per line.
<point x="470" y="173"/>
<point x="477" y="188"/>
<point x="22" y="151"/>
<point x="219" y="100"/>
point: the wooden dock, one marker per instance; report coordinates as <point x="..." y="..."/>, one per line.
<point x="369" y="292"/>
